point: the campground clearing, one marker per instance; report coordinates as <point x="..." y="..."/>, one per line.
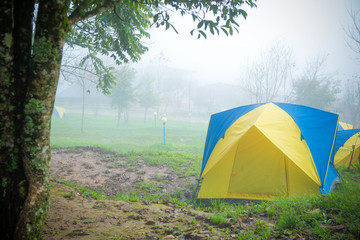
<point x="103" y="195"/>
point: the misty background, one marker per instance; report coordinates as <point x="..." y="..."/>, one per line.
<point x="286" y="51"/>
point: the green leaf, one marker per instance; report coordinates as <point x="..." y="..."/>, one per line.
<point x="194" y="17"/>
<point x="243" y="13"/>
<point x="200" y="24"/>
<point x="156" y="17"/>
<point x="203" y="33"/>
<point x="228" y="22"/>
<point x="218" y="19"/>
<point x="212" y="29"/>
<point x="226" y="32"/>
<point x="234" y="22"/>
<point x="167" y="26"/>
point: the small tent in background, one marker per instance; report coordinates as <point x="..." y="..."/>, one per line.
<point x="59" y="112"/>
<point x="347" y="148"/>
<point x="344" y="126"/>
<point x="263" y="151"/>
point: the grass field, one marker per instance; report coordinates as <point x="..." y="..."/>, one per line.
<point x="331" y="216"/>
<point x="101" y="131"/>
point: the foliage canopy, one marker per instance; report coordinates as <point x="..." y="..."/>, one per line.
<point x="117" y="28"/>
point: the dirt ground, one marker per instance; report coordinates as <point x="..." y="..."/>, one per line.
<point x="72" y="216"/>
<point x="112" y="173"/>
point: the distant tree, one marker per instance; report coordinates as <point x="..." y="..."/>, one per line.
<point x="350" y="104"/>
<point x="268" y="75"/>
<point x="78" y="68"/>
<point x="353" y="31"/>
<point x="174" y="86"/>
<point x="351" y="97"/>
<point x="146" y="94"/>
<point x="314" y="88"/>
<point x="122" y="95"/>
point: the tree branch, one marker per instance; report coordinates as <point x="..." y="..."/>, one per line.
<point x="79" y="68"/>
<point x="75" y="15"/>
<point x="116" y="13"/>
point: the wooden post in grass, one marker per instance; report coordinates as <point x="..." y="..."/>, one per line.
<point x="353" y="150"/>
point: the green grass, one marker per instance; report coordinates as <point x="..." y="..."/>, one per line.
<point x="101" y="131"/>
<point x="218" y="218"/>
<point x="330" y="216"/>
<point x="145" y="192"/>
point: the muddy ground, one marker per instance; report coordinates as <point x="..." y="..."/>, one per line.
<point x="74" y="216"/>
<point x="113" y="173"/>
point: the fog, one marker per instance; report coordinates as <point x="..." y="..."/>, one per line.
<point x="202" y="76"/>
<point x="306" y="26"/>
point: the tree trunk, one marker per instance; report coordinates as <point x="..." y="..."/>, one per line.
<point x="145" y="114"/>
<point x="118" y="118"/>
<point x="14" y="185"/>
<point x="29" y="75"/>
<point x="126" y="116"/>
<point x="83" y="106"/>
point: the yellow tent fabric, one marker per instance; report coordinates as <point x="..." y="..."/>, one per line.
<point x="348" y="152"/>
<point x="261" y="156"/>
<point x="345" y="126"/>
<point x="59" y="111"/>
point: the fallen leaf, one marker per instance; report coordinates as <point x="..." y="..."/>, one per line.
<point x="197" y="236"/>
<point x="168" y="237"/>
<point x="316" y="210"/>
<point x="242" y="218"/>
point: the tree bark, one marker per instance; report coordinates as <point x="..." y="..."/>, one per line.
<point x="12" y="177"/>
<point x="29" y="75"/>
<point x="83" y="106"/>
<point x="145" y="113"/>
<point x="118" y="117"/>
<point x="16" y="36"/>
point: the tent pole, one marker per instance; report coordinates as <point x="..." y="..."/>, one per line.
<point x="353" y="150"/>
<point x="195" y="191"/>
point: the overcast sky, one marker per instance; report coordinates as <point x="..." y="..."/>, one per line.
<point x="308" y="27"/>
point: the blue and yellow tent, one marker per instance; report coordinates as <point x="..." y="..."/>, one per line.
<point x="59" y="112"/>
<point x="268" y="150"/>
<point x="347" y="148"/>
<point x="344" y="126"/>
